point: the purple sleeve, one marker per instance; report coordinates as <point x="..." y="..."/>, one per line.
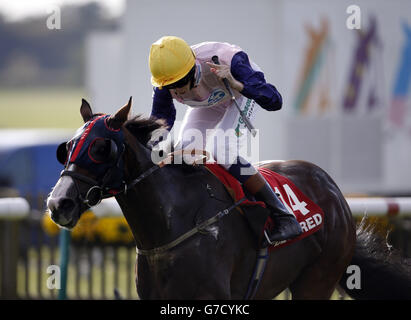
<point x="163" y="106"/>
<point x="255" y="86"/>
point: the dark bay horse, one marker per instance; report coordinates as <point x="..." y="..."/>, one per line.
<point x="109" y="156"/>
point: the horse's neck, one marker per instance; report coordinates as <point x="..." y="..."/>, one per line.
<point x="152" y="208"/>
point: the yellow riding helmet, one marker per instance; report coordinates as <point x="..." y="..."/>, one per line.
<point x="171" y="58"/>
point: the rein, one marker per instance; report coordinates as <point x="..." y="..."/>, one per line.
<point x="100" y="188"/>
<point x="198" y="229"/>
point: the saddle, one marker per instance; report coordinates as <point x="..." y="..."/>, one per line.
<point x="308" y="214"/>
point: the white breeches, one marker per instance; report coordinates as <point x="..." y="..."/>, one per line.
<point x="219" y="130"/>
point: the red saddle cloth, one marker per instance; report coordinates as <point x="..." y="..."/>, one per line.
<point x="308" y="214"/>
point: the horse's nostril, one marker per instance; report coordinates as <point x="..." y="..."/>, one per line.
<point x="66" y="205"/>
<point x="54" y="215"/>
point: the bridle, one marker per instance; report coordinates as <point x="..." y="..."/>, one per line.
<point x="99" y="190"/>
<point x="94" y="194"/>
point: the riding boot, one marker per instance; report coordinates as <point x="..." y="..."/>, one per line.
<point x="285" y="225"/>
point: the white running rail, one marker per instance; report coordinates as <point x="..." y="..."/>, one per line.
<point x="14" y="208"/>
<point x="19" y="208"/>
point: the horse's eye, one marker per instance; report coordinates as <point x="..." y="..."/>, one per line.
<point x="101" y="150"/>
<point x="98" y="150"/>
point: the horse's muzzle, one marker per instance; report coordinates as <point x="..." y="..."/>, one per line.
<point x="63" y="211"/>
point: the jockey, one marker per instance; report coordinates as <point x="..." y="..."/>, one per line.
<point x="188" y="75"/>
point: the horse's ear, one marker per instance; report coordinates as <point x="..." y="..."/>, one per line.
<point x="85" y="110"/>
<point x="117" y="120"/>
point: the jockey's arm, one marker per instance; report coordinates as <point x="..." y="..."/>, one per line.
<point x="163" y="106"/>
<point x="255" y="86"/>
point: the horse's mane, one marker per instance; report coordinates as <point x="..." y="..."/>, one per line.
<point x="142" y="127"/>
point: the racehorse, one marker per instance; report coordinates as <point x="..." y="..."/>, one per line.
<point x="186" y="247"/>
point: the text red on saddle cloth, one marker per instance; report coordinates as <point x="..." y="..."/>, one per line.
<point x="308" y="214"/>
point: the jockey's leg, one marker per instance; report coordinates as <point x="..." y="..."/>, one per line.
<point x="285" y="225"/>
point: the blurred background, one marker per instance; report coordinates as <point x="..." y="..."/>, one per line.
<point x="346" y="92"/>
